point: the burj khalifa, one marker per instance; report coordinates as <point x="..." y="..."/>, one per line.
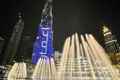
<point x="43" y="45"/>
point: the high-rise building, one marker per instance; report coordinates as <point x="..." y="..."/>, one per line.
<point x="43" y="45"/>
<point x="111" y="44"/>
<point x="1" y="44"/>
<point x="12" y="47"/>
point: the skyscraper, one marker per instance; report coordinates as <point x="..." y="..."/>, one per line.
<point x="43" y="45"/>
<point x="111" y="44"/>
<point x="11" y="50"/>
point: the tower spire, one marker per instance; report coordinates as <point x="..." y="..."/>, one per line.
<point x="20" y="17"/>
<point x="47" y="13"/>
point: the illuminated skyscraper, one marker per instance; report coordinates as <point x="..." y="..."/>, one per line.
<point x="43" y="45"/>
<point x="111" y="43"/>
<point x="12" y="47"/>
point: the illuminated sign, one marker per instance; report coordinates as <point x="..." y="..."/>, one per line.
<point x="43" y="46"/>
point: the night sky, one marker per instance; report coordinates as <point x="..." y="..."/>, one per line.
<point x="82" y="16"/>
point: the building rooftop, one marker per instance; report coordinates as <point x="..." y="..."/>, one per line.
<point x="105" y="29"/>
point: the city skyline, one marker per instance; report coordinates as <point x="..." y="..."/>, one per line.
<point x="69" y="17"/>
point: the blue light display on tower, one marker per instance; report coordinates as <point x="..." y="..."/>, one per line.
<point x="43" y="45"/>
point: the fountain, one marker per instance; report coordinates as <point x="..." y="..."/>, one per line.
<point x="82" y="58"/>
<point x="45" y="69"/>
<point x="18" y="72"/>
<point x="85" y="60"/>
